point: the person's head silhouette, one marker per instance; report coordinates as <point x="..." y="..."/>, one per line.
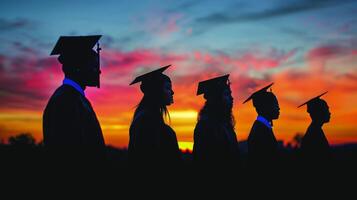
<point x="156" y="86"/>
<point x="265" y="103"/>
<point x="157" y="90"/>
<point x="219" y="100"/>
<point x="217" y="90"/>
<point x="318" y="109"/>
<point x="80" y="62"/>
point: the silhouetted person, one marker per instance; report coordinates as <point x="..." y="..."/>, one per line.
<point x="262" y="144"/>
<point x="152" y="142"/>
<point x="71" y="130"/>
<point x="215" y="141"/>
<point x="315" y="148"/>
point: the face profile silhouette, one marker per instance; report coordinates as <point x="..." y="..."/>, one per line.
<point x="265" y="103"/>
<point x="156" y="86"/>
<point x="168" y="93"/>
<point x="227" y="98"/>
<point x="322" y="113"/>
<point x="91" y="71"/>
<point x="318" y="109"/>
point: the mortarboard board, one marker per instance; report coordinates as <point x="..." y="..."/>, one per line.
<point x="73" y="44"/>
<point x="312" y="100"/>
<point x="261" y="91"/>
<point x="149" y="75"/>
<point x="212" y="84"/>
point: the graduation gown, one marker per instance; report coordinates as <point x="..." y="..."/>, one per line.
<point x="262" y="146"/>
<point x="70" y="127"/>
<point x="315" y="148"/>
<point x="215" y="144"/>
<point x="152" y="142"/>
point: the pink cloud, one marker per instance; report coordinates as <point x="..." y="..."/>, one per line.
<point x="327" y="52"/>
<point x="30" y="75"/>
<point x="27" y="79"/>
<point x="319" y="56"/>
<point x="121" y="67"/>
<point x="33" y="79"/>
<point x="324" y="52"/>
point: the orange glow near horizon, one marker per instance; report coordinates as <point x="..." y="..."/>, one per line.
<point x="341" y="128"/>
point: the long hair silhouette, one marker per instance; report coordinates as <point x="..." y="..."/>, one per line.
<point x="214" y="108"/>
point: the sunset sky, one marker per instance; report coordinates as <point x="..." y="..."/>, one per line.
<point x="304" y="47"/>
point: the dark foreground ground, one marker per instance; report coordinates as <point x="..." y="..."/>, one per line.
<point x="27" y="170"/>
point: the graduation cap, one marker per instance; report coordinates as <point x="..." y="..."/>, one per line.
<point x="73" y="44"/>
<point x="150" y="75"/>
<point x="313" y="100"/>
<point x="212" y="84"/>
<point x="258" y="93"/>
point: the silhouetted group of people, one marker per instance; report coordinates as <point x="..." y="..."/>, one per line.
<point x="72" y="131"/>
